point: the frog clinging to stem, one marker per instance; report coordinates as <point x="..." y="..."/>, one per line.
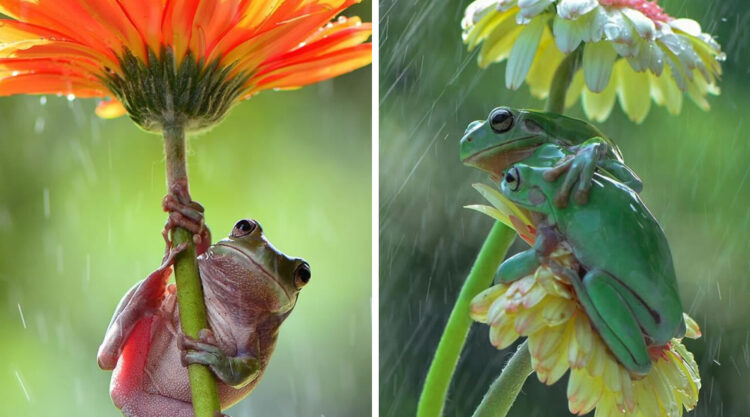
<point x="249" y="289"/>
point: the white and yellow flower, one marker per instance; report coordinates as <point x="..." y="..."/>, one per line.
<point x="631" y="50"/>
<point x="543" y="307"/>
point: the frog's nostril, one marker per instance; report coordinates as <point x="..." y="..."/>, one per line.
<point x="468" y="139"/>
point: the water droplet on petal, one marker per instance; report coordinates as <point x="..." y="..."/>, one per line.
<point x="15" y="73"/>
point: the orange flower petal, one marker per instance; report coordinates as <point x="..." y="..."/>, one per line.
<point x="327" y="66"/>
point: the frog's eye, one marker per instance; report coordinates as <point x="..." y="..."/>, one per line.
<point x="501" y="120"/>
<point x="302" y="275"/>
<point x="513" y="179"/>
<point x="244" y="228"/>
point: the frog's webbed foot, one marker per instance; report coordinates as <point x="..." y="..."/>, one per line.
<point x="235" y="371"/>
<point x="578" y="169"/>
<point x="187" y="214"/>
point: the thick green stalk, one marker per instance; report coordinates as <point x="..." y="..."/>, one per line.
<point x="454" y="336"/>
<point x="503" y="392"/>
<point x="203" y="387"/>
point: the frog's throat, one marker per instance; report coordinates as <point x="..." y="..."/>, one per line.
<point x="259" y="266"/>
<point x="499" y="157"/>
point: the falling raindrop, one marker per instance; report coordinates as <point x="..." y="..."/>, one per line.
<point x="39" y="125"/>
<point x="23" y="387"/>
<point x="20" y="312"/>
<point x="43" y="100"/>
<point x="45" y="195"/>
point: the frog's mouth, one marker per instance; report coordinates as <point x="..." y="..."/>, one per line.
<point x="260" y="267"/>
<point x="496" y="158"/>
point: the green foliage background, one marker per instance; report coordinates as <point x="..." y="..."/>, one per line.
<point x="299" y="162"/>
<point x="695" y="168"/>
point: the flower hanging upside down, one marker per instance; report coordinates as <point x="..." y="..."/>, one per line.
<point x="631" y="49"/>
<point x="544" y="307"/>
<point x="183" y="62"/>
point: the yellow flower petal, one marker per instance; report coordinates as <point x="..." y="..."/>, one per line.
<point x="481" y="303"/>
<point x="631" y="87"/>
<point x="598" y="106"/>
<point x="584" y="391"/>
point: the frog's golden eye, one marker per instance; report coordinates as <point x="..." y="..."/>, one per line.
<point x="244" y="228"/>
<point x="501" y="120"/>
<point x="302" y="275"/>
<point x="513" y="179"/>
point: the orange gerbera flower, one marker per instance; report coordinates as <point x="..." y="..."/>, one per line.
<point x="175" y="61"/>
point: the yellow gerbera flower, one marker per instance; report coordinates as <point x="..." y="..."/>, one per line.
<point x="632" y="50"/>
<point x="187" y="60"/>
<point x="543" y="307"/>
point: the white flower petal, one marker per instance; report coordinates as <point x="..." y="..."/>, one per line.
<point x="532" y="8"/>
<point x="618" y="31"/>
<point x="504" y="5"/>
<point x="567" y="34"/>
<point x="643" y="25"/>
<point x="476" y="11"/>
<point x="573" y="9"/>
<point x="523" y="52"/>
<point x="594" y="25"/>
<point x="689" y="26"/>
<point x="598" y="59"/>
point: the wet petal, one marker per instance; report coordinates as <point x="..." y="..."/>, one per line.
<point x="598" y="60"/>
<point x="573" y="9"/>
<point x="523" y="52"/>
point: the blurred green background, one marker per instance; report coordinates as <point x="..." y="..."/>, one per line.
<point x="80" y="223"/>
<point x="695" y="168"/>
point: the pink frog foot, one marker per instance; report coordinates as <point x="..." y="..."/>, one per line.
<point x="187" y="214"/>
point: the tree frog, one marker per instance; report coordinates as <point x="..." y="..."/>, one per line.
<point x="249" y="288"/>
<point x="625" y="281"/>
<point x="512" y="135"/>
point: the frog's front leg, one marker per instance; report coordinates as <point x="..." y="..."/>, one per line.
<point x="580" y="169"/>
<point x="142" y="300"/>
<point x="235" y="371"/>
<point x="598" y="292"/>
<point x="526" y="262"/>
<point x="187" y="214"/>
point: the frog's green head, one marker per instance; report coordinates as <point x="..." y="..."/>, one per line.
<point x="508" y="135"/>
<point x="274" y="278"/>
<point x="525" y="186"/>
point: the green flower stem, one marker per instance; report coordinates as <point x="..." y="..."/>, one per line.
<point x="503" y="392"/>
<point x="561" y="81"/>
<point x="451" y="343"/>
<point x="203" y="387"/>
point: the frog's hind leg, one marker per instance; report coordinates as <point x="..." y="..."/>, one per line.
<point x="141" y="301"/>
<point x="612" y="318"/>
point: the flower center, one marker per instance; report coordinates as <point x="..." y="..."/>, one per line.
<point x="649" y="8"/>
<point x="159" y="93"/>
